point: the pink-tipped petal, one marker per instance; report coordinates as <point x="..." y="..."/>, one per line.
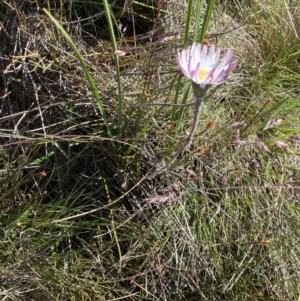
<point x="210" y="76"/>
<point x="193" y="74"/>
<point x="217" y="55"/>
<point x="220" y="76"/>
<point x="233" y="65"/>
<point x="211" y="53"/>
<point x="204" y="53"/>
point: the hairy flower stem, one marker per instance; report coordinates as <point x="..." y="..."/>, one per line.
<point x="189" y="139"/>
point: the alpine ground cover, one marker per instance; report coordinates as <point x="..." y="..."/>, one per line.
<point x="85" y="119"/>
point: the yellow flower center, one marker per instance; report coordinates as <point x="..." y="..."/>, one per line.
<point x="202" y="74"/>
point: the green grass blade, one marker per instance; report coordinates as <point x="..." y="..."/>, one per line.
<point x="116" y="59"/>
<point x="188" y="21"/>
<point x="84" y="67"/>
<point x="185" y="40"/>
<point x="206" y="20"/>
<point x="197" y="21"/>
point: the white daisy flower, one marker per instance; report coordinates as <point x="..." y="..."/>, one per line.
<point x="201" y="64"/>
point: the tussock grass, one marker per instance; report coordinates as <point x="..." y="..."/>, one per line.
<point x="80" y="220"/>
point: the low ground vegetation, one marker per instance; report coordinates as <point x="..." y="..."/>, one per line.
<point x="80" y="220"/>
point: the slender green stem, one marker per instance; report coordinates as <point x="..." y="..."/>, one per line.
<point x="206" y="20"/>
<point x="197" y="20"/>
<point x="85" y="69"/>
<point x="185" y="40"/>
<point x="188" y="21"/>
<point x="109" y="16"/>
